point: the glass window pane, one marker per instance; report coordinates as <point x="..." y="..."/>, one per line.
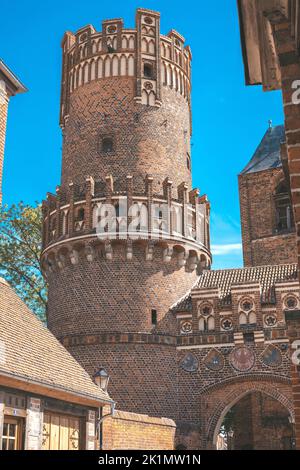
<point x="12" y="430"/>
<point x="11" y="444"/>
<point x="4" y="443"/>
<point x="5" y="429"/>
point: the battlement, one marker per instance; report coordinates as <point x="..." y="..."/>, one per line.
<point x="151" y="59"/>
<point x="180" y="225"/>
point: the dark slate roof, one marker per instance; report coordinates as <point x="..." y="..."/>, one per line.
<point x="267" y="154"/>
<point x="225" y="279"/>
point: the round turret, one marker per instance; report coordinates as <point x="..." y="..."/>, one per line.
<point x="125" y="236"/>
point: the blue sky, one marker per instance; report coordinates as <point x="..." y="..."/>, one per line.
<point x="229" y="119"/>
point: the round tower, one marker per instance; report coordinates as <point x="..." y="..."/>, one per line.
<point x="125" y="235"/>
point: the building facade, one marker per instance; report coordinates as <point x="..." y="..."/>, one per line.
<point x="270" y="47"/>
<point x="268" y="228"/>
<point x="10" y="85"/>
<point x="126" y="120"/>
<point x="126" y="250"/>
<point x="47" y="401"/>
<point x="232" y="350"/>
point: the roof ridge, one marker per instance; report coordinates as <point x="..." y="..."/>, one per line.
<point x="271" y="266"/>
<point x="3" y="281"/>
<point x="186" y="295"/>
<point x="21" y="329"/>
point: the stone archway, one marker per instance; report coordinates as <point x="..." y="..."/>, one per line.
<point x="235" y="394"/>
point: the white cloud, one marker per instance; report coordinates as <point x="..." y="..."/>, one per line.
<point x="226" y="249"/>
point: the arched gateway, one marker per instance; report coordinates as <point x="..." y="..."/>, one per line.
<point x="251" y="407"/>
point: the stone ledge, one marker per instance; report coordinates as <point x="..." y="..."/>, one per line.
<point x="141" y="418"/>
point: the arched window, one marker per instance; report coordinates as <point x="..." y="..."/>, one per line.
<point x="53" y="223"/>
<point x="117" y="209"/>
<point x="110" y="46"/>
<point x="206" y="324"/>
<point x="188" y="161"/>
<point x="284" y="216"/>
<point x="252" y="318"/>
<point x="211" y="323"/>
<point x="202" y="324"/>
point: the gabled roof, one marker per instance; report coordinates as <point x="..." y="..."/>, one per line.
<point x="33" y="358"/>
<point x="267" y="154"/>
<point x="14" y="85"/>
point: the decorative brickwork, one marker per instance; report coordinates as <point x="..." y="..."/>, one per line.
<point x="175" y="345"/>
<point x="146" y="139"/>
<point x="126" y="121"/>
<point x="272" y="58"/>
<point x="268" y="231"/>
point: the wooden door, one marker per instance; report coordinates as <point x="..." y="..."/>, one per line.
<point x="12" y="433"/>
<point x="60" y="432"/>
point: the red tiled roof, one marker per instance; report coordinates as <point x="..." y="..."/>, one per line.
<point x="224" y="279"/>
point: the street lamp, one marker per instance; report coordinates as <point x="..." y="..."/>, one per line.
<point x="101" y="379"/>
<point x="293" y="440"/>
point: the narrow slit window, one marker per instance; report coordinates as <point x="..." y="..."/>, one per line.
<point x="188" y="162"/>
<point x="107" y="145"/>
<point x="154" y="317"/>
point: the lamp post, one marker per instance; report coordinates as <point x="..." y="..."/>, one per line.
<point x="101" y="378"/>
<point x="293" y="440"/>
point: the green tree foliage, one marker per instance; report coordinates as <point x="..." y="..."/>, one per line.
<point x="20" y="249"/>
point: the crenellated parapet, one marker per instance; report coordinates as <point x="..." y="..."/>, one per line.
<point x="96" y="221"/>
<point x="151" y="59"/>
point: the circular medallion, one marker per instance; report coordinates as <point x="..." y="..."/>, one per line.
<point x="186" y="327"/>
<point x="111" y="29"/>
<point x="226" y="324"/>
<point x="206" y="309"/>
<point x="83" y="37"/>
<point x="190" y="363"/>
<point x="271" y="356"/>
<point x="214" y="361"/>
<point x="148" y="85"/>
<point x="247" y="305"/>
<point x="270" y="320"/>
<point x="148" y="20"/>
<point x="291" y="302"/>
<point x="242" y="359"/>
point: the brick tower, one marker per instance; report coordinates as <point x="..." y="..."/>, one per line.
<point x="268" y="229"/>
<point x="126" y="122"/>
